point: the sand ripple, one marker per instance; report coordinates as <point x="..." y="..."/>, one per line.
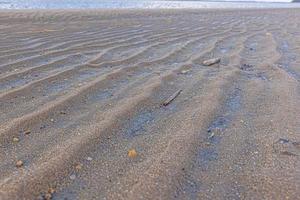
<point x="78" y="90"/>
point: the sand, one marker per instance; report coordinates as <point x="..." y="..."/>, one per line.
<point x="119" y="105"/>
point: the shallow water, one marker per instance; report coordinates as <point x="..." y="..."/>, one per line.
<point x="60" y="4"/>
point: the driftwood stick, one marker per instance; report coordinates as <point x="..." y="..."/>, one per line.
<point x="171" y="98"/>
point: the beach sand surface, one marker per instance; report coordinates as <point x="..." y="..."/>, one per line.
<point x="115" y="104"/>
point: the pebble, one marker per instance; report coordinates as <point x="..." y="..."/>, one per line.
<point x="207" y="143"/>
<point x="184" y="71"/>
<point x="19" y="163"/>
<point x="132" y="153"/>
<point x="78" y="167"/>
<point x="89" y="158"/>
<point x="27" y="132"/>
<point x="15" y="139"/>
<point x="72" y="177"/>
<point x="52" y="120"/>
<point x="211" y="135"/>
<point x="211" y="61"/>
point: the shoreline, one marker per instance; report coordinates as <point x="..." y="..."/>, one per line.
<point x="122" y="10"/>
<point x="152" y="5"/>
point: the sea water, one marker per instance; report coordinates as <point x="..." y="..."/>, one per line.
<point x="112" y="4"/>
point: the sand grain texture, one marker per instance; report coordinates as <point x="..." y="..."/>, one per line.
<point x="81" y="95"/>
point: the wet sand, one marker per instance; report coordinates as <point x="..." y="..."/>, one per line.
<point x="81" y="89"/>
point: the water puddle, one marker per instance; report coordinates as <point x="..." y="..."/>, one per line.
<point x="205" y="156"/>
<point x="137" y="125"/>
<point x="216" y="128"/>
<point x="233" y="103"/>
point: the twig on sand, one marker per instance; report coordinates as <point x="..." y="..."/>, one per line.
<point x="171" y="98"/>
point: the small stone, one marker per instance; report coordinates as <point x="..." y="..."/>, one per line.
<point x="184" y="71"/>
<point x="211" y="135"/>
<point x="72" y="177"/>
<point x="52" y="120"/>
<point x="15" y="139"/>
<point x="207" y="143"/>
<point x="211" y="61"/>
<point x="78" y="167"/>
<point x="89" y="158"/>
<point x="19" y="163"/>
<point x="27" y="132"/>
<point x="132" y="153"/>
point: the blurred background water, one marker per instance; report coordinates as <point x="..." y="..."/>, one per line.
<point x="78" y="4"/>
